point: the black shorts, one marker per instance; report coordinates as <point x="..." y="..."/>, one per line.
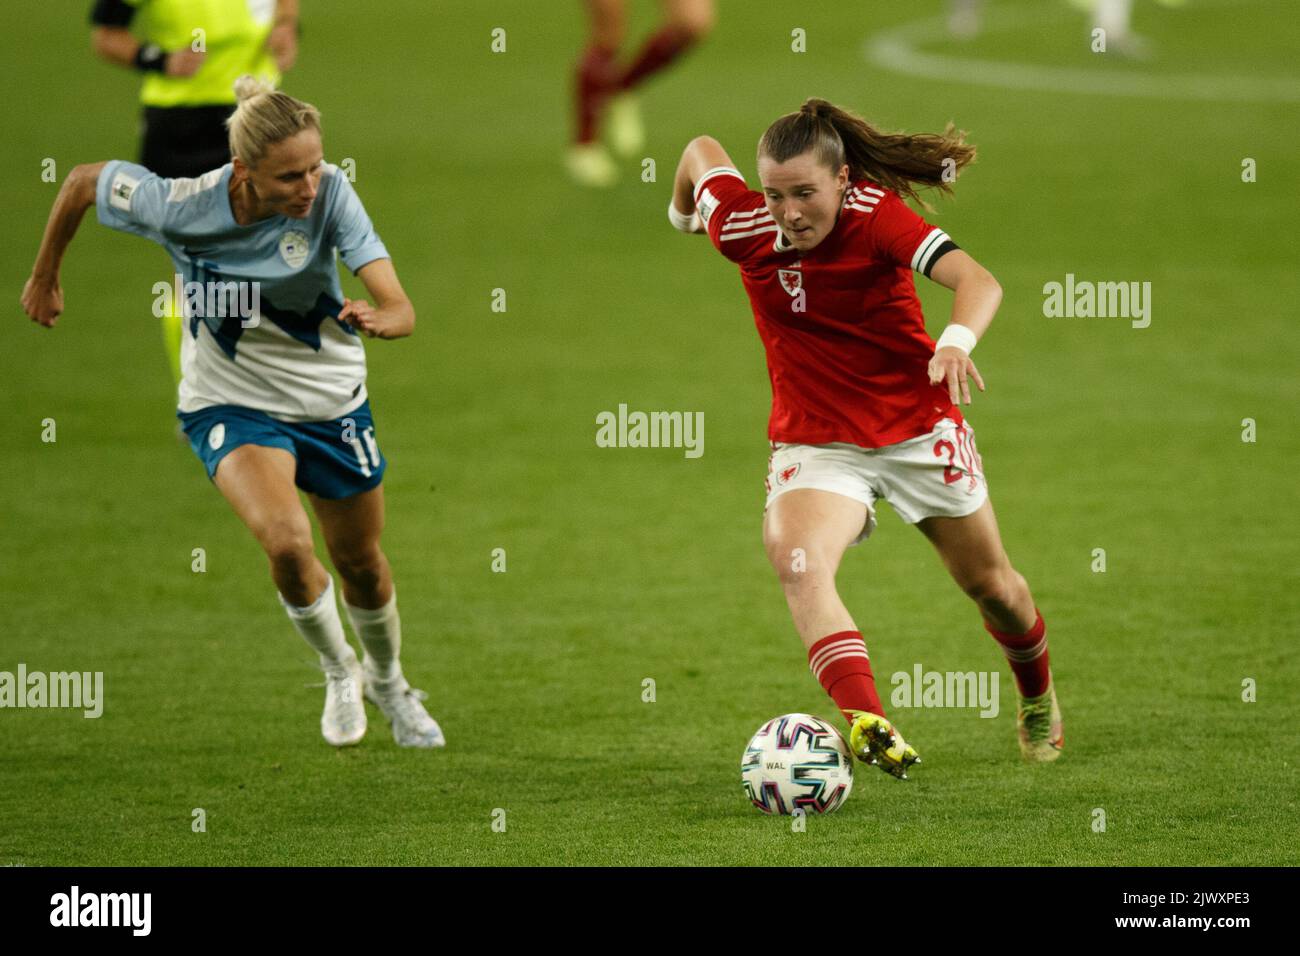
<point x="185" y="140"/>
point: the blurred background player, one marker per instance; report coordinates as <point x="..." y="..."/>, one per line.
<point x="276" y="398"/>
<point x="603" y="90"/>
<point x="187" y="92"/>
<point x="964" y="18"/>
<point x="864" y="402"/>
<point x="1116" y="18"/>
<point x="1113" y="16"/>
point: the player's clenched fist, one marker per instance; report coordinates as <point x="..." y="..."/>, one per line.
<point x="363" y="317"/>
<point x="956" y="368"/>
<point x="43" y="301"/>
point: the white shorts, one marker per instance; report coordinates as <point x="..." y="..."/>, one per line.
<point x="937" y="474"/>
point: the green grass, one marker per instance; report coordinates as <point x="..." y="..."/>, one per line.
<point x="628" y="564"/>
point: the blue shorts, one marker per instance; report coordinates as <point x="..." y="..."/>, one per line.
<point x="336" y="459"/>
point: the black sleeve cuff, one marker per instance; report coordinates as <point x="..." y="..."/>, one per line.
<point x="947" y="247"/>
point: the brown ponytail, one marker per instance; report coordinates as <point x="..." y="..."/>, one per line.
<point x="894" y="160"/>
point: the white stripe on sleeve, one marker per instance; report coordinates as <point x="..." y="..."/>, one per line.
<point x="921" y="258"/>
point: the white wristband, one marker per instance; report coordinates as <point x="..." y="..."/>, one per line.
<point x="958" y="337"/>
<point x="684" y="222"/>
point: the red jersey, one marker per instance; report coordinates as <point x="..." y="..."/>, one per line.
<point x="847" y="350"/>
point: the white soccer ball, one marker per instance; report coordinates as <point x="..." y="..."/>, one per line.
<point x="797" y="762"/>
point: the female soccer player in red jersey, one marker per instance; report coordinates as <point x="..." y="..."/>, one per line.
<point x="864" y="402"/>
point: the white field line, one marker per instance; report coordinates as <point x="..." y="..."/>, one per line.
<point x="899" y="50"/>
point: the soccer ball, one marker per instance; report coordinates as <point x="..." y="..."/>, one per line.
<point x="797" y="762"/>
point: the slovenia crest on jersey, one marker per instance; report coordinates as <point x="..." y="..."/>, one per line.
<point x="294" y="247"/>
<point x="791" y="280"/>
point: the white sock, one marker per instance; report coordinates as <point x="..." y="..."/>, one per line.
<point x="380" y="633"/>
<point x="321" y="627"/>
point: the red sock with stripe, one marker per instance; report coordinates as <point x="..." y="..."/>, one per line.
<point x="840" y="663"/>
<point x="1027" y="655"/>
<point x="597" y="77"/>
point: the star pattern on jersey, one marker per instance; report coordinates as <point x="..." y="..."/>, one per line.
<point x="301" y="326"/>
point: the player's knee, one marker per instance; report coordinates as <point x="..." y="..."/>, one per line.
<point x="287" y="542"/>
<point x="361" y="568"/>
<point x="992" y="587"/>
<point x="695" y="23"/>
<point x="796" y="565"/>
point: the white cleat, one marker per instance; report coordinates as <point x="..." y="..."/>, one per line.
<point x="591" y="165"/>
<point x="343" y="722"/>
<point x="400" y="702"/>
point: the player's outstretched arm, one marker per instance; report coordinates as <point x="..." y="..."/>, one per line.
<point x="976" y="297"/>
<point x="42" y="297"/>
<point x="701" y="154"/>
<point x="118" y="45"/>
<point x="392" y="316"/>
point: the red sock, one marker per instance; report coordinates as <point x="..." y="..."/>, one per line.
<point x="597" y="78"/>
<point x="660" y="50"/>
<point x="840" y="663"/>
<point x="1027" y="655"/>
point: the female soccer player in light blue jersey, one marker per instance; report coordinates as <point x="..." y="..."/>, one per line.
<point x="273" y="389"/>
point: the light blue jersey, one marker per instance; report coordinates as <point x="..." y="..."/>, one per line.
<point x="288" y="356"/>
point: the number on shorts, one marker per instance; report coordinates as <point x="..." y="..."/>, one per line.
<point x="963" y="459"/>
<point x="950" y="472"/>
<point x="369" y="435"/>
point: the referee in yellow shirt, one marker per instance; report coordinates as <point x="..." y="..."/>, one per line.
<point x="190" y="53"/>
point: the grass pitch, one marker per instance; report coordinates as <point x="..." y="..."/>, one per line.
<point x="627" y="564"/>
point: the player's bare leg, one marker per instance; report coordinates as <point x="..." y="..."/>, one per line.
<point x="971" y="550"/>
<point x="351" y="528"/>
<point x="258" y="483"/>
<point x="805" y="534"/>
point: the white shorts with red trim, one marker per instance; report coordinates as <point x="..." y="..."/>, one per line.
<point x="934" y="475"/>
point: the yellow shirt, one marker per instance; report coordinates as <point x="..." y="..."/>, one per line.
<point x="234" y="36"/>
